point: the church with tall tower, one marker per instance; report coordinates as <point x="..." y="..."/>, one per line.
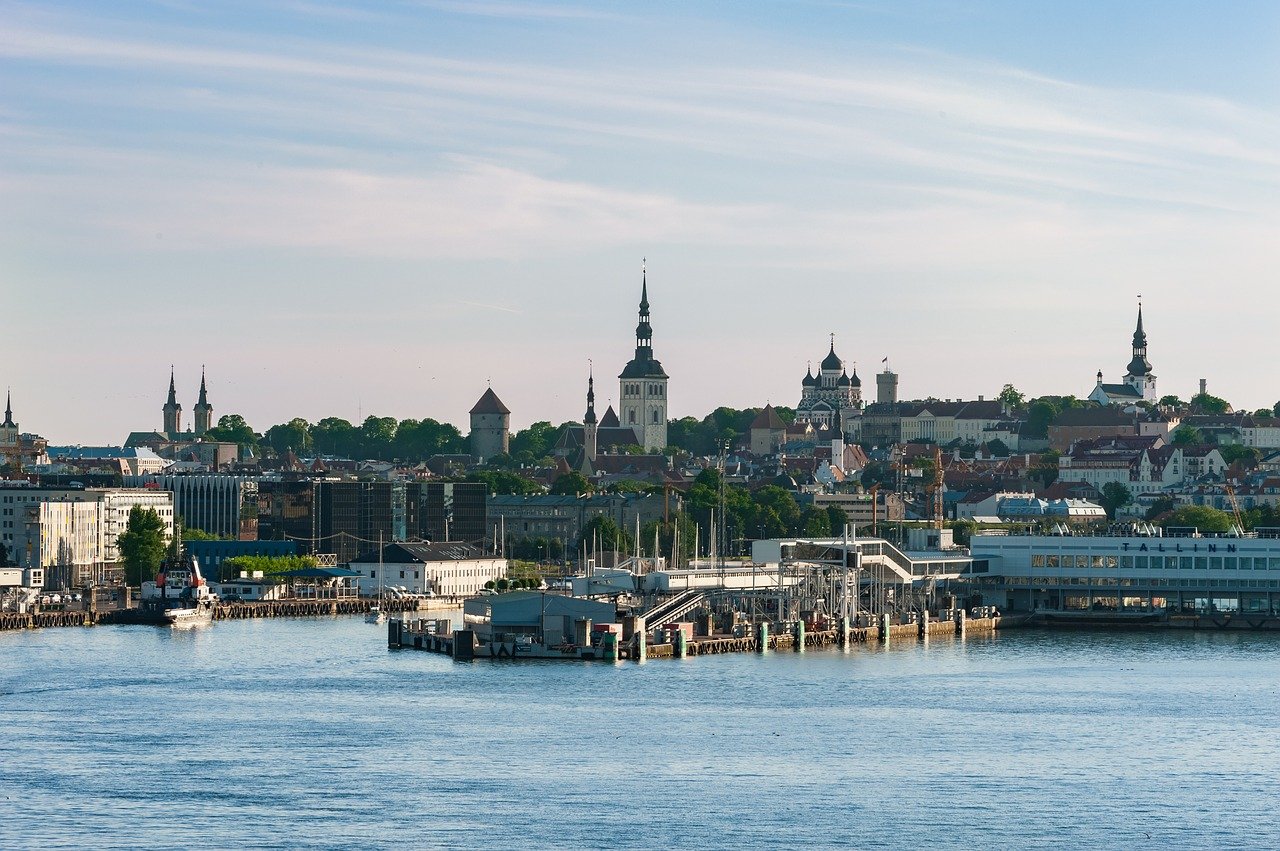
<point x="1139" y="383"/>
<point x="203" y="410"/>
<point x="642" y="386"/>
<point x="172" y="411"/>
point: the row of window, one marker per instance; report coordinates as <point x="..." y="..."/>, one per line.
<point x="1114" y="582"/>
<point x="1156" y="562"/>
<point x="633" y="389"/>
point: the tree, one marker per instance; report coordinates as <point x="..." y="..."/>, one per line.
<point x="602" y="531"/>
<point x="335" y="436"/>
<point x="998" y="448"/>
<point x="267" y="565"/>
<point x="1202" y="517"/>
<point x="232" y="428"/>
<point x="4" y="556"/>
<point x="502" y="482"/>
<point x="1045" y="470"/>
<point x="1206" y="404"/>
<point x="1263" y="413"/>
<point x="1275" y="409"/>
<point x="1010" y="397"/>
<point x="1115" y="495"/>
<point x="190" y="533"/>
<point x="1170" y="402"/>
<point x="294" y="435"/>
<point x="1039" y="414"/>
<point x="1233" y="452"/>
<point x="142" y="544"/>
<point x="534" y="443"/>
<point x="571" y="484"/>
<point x="1185" y="435"/>
<point x="876" y="473"/>
<point x="837" y="519"/>
<point x="1161" y="505"/>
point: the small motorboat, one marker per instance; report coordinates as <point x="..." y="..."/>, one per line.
<point x="375" y="615"/>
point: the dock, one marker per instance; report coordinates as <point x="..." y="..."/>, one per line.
<point x="89" y="616"/>
<point x="438" y="636"/>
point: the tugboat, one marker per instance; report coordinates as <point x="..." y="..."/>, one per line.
<point x="180" y="595"/>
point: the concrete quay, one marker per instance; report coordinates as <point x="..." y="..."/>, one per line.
<point x="221" y="612"/>
<point x="437" y="636"/>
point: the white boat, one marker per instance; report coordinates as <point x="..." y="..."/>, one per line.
<point x="375" y="615"/>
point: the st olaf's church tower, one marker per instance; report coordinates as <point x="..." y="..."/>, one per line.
<point x="642" y="389"/>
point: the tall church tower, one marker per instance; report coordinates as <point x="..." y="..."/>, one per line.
<point x="8" y="429"/>
<point x="172" y="410"/>
<point x="642" y="386"/>
<point x="1139" y="376"/>
<point x="203" y="410"/>
<point x="590" y="426"/>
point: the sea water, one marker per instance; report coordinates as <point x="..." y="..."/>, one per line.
<point x="311" y="733"/>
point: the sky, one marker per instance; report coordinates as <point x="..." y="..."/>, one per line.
<point x="352" y="209"/>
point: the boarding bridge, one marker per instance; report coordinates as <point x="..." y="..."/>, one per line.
<point x="878" y="559"/>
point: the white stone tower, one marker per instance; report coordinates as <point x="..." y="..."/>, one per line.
<point x="642" y="386"/>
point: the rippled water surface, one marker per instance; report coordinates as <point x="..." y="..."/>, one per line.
<point x="292" y="733"/>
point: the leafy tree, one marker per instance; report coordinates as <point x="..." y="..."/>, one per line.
<point x="603" y="531"/>
<point x="837" y="518"/>
<point x="1207" y="404"/>
<point x="1275" y="409"/>
<point x="294" y="435"/>
<point x="232" y="428"/>
<point x="335" y="436"/>
<point x="1040" y="414"/>
<point x="571" y="484"/>
<point x="503" y="584"/>
<point x="4" y="556"/>
<point x="963" y="531"/>
<point x="1203" y="517"/>
<point x="1010" y="397"/>
<point x="1045" y="469"/>
<point x="1161" y="505"/>
<point x="190" y="533"/>
<point x="534" y="443"/>
<point x="1247" y="455"/>
<point x="1115" y="495"/>
<point x="782" y="503"/>
<point x="876" y="473"/>
<point x="1170" y="402"/>
<point x="267" y="564"/>
<point x="998" y="448"/>
<point x="491" y="585"/>
<point x="502" y="482"/>
<point x="1263" y="413"/>
<point x="142" y="544"/>
<point x="630" y="486"/>
<point x="1185" y="435"/>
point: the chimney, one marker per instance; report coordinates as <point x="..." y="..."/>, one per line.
<point x="1203" y="383"/>
<point x="980" y="399"/>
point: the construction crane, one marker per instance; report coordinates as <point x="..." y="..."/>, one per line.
<point x="1235" y="506"/>
<point x="937" y="489"/>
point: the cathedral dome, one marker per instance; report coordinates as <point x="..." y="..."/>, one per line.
<point x="843" y="380"/>
<point x="832" y="362"/>
<point x="809" y="380"/>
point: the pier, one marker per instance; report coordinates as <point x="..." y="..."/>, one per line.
<point x="301" y="608"/>
<point x="438" y="636"/>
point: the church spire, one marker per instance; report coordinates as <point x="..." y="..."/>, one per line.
<point x="204" y="395"/>
<point x="8" y="409"/>
<point x="1139" y="336"/>
<point x="172" y="410"/>
<point x="589" y="418"/>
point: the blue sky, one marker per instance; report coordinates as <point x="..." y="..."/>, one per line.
<point x="346" y="208"/>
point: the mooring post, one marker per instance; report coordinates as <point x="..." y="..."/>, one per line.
<point x="884" y="628"/>
<point x="843" y="635"/>
<point x="393" y="632"/>
<point x="960" y="621"/>
<point x="681" y="647"/>
<point x="609" y="647"/>
<point x="797" y="634"/>
<point x="639" y="651"/>
<point x="762" y="637"/>
<point x="924" y="625"/>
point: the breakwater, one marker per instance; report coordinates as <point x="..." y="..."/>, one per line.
<point x="222" y="612"/>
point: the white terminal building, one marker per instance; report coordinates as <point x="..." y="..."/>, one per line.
<point x="1142" y="572"/>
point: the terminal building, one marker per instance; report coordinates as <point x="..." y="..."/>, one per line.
<point x="1144" y="571"/>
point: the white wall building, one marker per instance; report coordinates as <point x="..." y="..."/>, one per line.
<point x="444" y="569"/>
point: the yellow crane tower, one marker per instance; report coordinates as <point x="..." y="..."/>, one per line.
<point x="1235" y="506"/>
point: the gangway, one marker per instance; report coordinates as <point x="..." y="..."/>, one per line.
<point x="676" y="607"/>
